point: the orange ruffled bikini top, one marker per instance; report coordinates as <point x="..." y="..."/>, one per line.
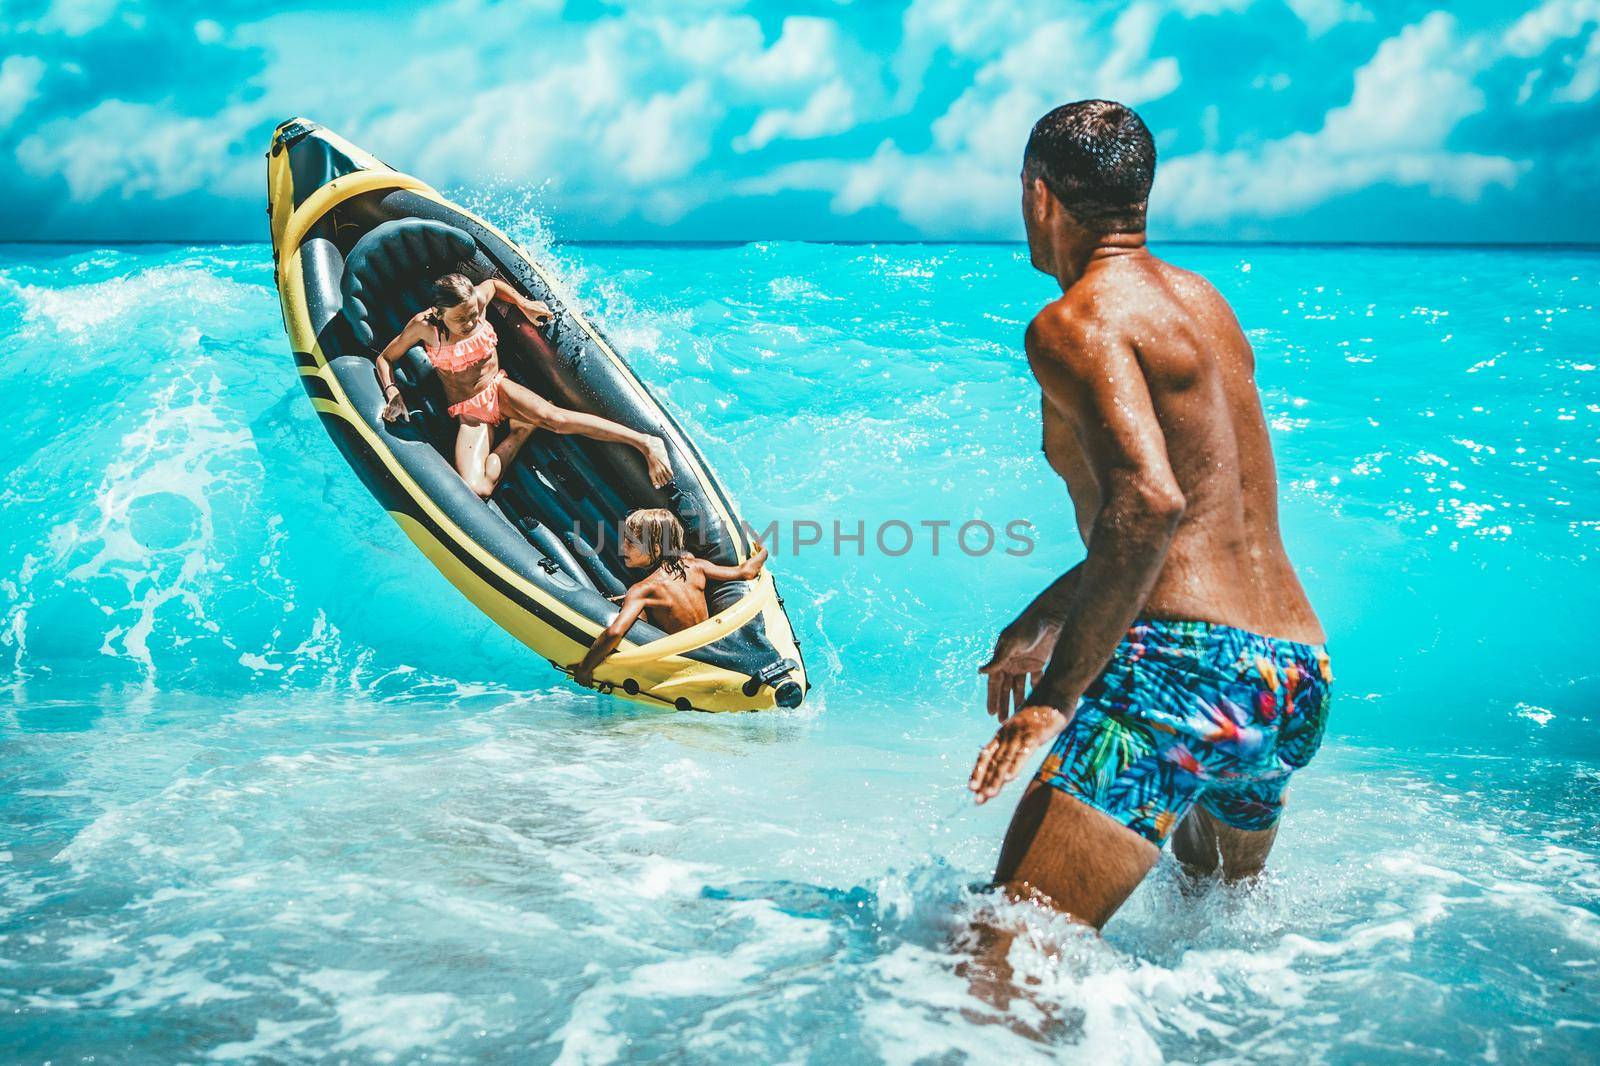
<point x="468" y="352"/>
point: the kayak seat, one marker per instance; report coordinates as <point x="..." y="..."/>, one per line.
<point x="388" y="277"/>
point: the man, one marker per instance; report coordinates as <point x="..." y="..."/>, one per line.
<point x="1178" y="669"/>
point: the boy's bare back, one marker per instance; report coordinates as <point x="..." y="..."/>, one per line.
<point x="674" y="601"/>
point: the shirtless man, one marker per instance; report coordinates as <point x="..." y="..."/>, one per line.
<point x="673" y="596"/>
<point x="1179" y="669"/>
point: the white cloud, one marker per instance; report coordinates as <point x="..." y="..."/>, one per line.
<point x="1413" y="91"/>
<point x="1406" y="102"/>
<point x="968" y="182"/>
<point x="1559" y="20"/>
<point x="19" y="85"/>
<point x="651" y="111"/>
<point x="169" y="155"/>
<point x="816" y="80"/>
<point x="947" y="195"/>
<point x="632" y="104"/>
<point x="1320" y="16"/>
<point x="611" y="118"/>
<point x="1585" y="81"/>
<point x="807" y="51"/>
<point x="665" y="138"/>
<point x="1551" y="21"/>
<point x="831" y="109"/>
<point x="78" y="17"/>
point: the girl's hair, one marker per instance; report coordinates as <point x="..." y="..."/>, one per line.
<point x="658" y="532"/>
<point x="448" y="291"/>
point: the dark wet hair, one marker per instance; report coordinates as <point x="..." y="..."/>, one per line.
<point x="657" y="531"/>
<point x="448" y="291"/>
<point x="1098" y="158"/>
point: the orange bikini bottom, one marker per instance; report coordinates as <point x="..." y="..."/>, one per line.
<point x="483" y="407"/>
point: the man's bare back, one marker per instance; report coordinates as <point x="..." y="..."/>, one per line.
<point x="1177" y="672"/>
<point x="1133" y="314"/>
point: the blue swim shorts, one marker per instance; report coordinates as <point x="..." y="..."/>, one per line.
<point x="1193" y="712"/>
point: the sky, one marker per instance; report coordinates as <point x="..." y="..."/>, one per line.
<point x="1288" y="120"/>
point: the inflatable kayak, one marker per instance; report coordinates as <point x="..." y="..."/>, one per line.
<point x="356" y="246"/>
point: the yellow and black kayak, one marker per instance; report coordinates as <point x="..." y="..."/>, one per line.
<point x="356" y="246"/>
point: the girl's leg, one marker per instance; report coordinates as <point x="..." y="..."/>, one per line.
<point x="472" y="453"/>
<point x="527" y="406"/>
<point x="499" y="460"/>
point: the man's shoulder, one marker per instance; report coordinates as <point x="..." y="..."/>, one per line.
<point x="1070" y="332"/>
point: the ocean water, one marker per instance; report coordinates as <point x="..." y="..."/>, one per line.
<point x="272" y="791"/>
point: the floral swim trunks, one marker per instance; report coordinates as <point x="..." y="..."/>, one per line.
<point x="1193" y="712"/>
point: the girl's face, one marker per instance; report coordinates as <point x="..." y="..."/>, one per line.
<point x="463" y="317"/>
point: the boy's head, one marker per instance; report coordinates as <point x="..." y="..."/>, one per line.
<point x="651" y="538"/>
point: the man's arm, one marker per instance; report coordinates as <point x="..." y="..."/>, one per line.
<point x="1100" y="387"/>
<point x="632" y="606"/>
<point x="1023" y="647"/>
<point x="1095" y="381"/>
<point x="1052" y="604"/>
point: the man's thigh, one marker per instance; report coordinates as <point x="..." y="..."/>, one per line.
<point x="1085" y="862"/>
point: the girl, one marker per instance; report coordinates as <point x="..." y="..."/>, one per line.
<point x="460" y="343"/>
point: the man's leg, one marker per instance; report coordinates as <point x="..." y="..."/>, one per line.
<point x="1081" y="860"/>
<point x="1064" y="853"/>
<point x="1205" y="843"/>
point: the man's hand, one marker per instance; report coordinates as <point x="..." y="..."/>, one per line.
<point x="395" y="409"/>
<point x="1002" y="757"/>
<point x="1020" y="656"/>
<point x="582" y="676"/>
<point x="538" y="312"/>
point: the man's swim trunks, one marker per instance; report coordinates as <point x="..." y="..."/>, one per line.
<point x="1193" y="712"/>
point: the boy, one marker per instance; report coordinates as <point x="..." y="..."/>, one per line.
<point x="673" y="597"/>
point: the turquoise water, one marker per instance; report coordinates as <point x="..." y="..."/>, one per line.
<point x="273" y="791"/>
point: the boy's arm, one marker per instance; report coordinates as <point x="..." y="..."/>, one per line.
<point x="745" y="571"/>
<point x="606" y="643"/>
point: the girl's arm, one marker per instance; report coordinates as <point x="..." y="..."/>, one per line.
<point x="745" y="571"/>
<point x="632" y="606"/>
<point x="538" y="311"/>
<point x="394" y="404"/>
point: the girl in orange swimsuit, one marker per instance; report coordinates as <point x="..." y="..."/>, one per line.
<point x="459" y="341"/>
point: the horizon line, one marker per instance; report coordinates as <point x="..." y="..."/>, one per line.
<point x="734" y="242"/>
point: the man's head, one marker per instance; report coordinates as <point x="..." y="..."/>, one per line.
<point x="1092" y="161"/>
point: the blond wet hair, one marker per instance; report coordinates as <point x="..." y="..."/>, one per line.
<point x="659" y="534"/>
